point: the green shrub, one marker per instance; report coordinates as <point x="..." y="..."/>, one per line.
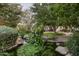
<point x="36" y="38"/>
<point x="28" y="50"/>
<point x="49" y="49"/>
<point x="8" y="37"/>
<point x="8" y="53"/>
<point x="4" y="54"/>
<point x="48" y="52"/>
<point x="73" y="44"/>
<point x="23" y="32"/>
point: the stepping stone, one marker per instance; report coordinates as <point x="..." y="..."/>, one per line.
<point x="62" y="50"/>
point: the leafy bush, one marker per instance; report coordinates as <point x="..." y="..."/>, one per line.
<point x="49" y="49"/>
<point x="33" y="47"/>
<point x="8" y="53"/>
<point x="73" y="44"/>
<point x="36" y="38"/>
<point x="28" y="50"/>
<point x="8" y="37"/>
<point x="23" y="32"/>
<point x="34" y="44"/>
<point x="48" y="52"/>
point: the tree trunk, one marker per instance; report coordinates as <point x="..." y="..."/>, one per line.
<point x="51" y="29"/>
<point x="54" y="28"/>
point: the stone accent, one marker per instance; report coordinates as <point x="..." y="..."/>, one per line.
<point x="62" y="50"/>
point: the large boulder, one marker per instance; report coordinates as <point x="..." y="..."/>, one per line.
<point x="62" y="50"/>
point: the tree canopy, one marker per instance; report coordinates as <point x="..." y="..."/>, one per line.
<point x="66" y="15"/>
<point x="10" y="14"/>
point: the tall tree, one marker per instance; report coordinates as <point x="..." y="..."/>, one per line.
<point x="44" y="15"/>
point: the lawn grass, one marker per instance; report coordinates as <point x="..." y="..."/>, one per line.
<point x="52" y="34"/>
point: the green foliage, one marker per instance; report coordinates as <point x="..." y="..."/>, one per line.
<point x="55" y="15"/>
<point x="28" y="50"/>
<point x="35" y="50"/>
<point x="8" y="37"/>
<point x="23" y="32"/>
<point x="7" y="53"/>
<point x="4" y="54"/>
<point x="73" y="44"/>
<point x="23" y="29"/>
<point x="36" y="35"/>
<point x="10" y="14"/>
<point x="36" y="38"/>
<point x="44" y="15"/>
<point x="34" y="44"/>
<point x="49" y="50"/>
